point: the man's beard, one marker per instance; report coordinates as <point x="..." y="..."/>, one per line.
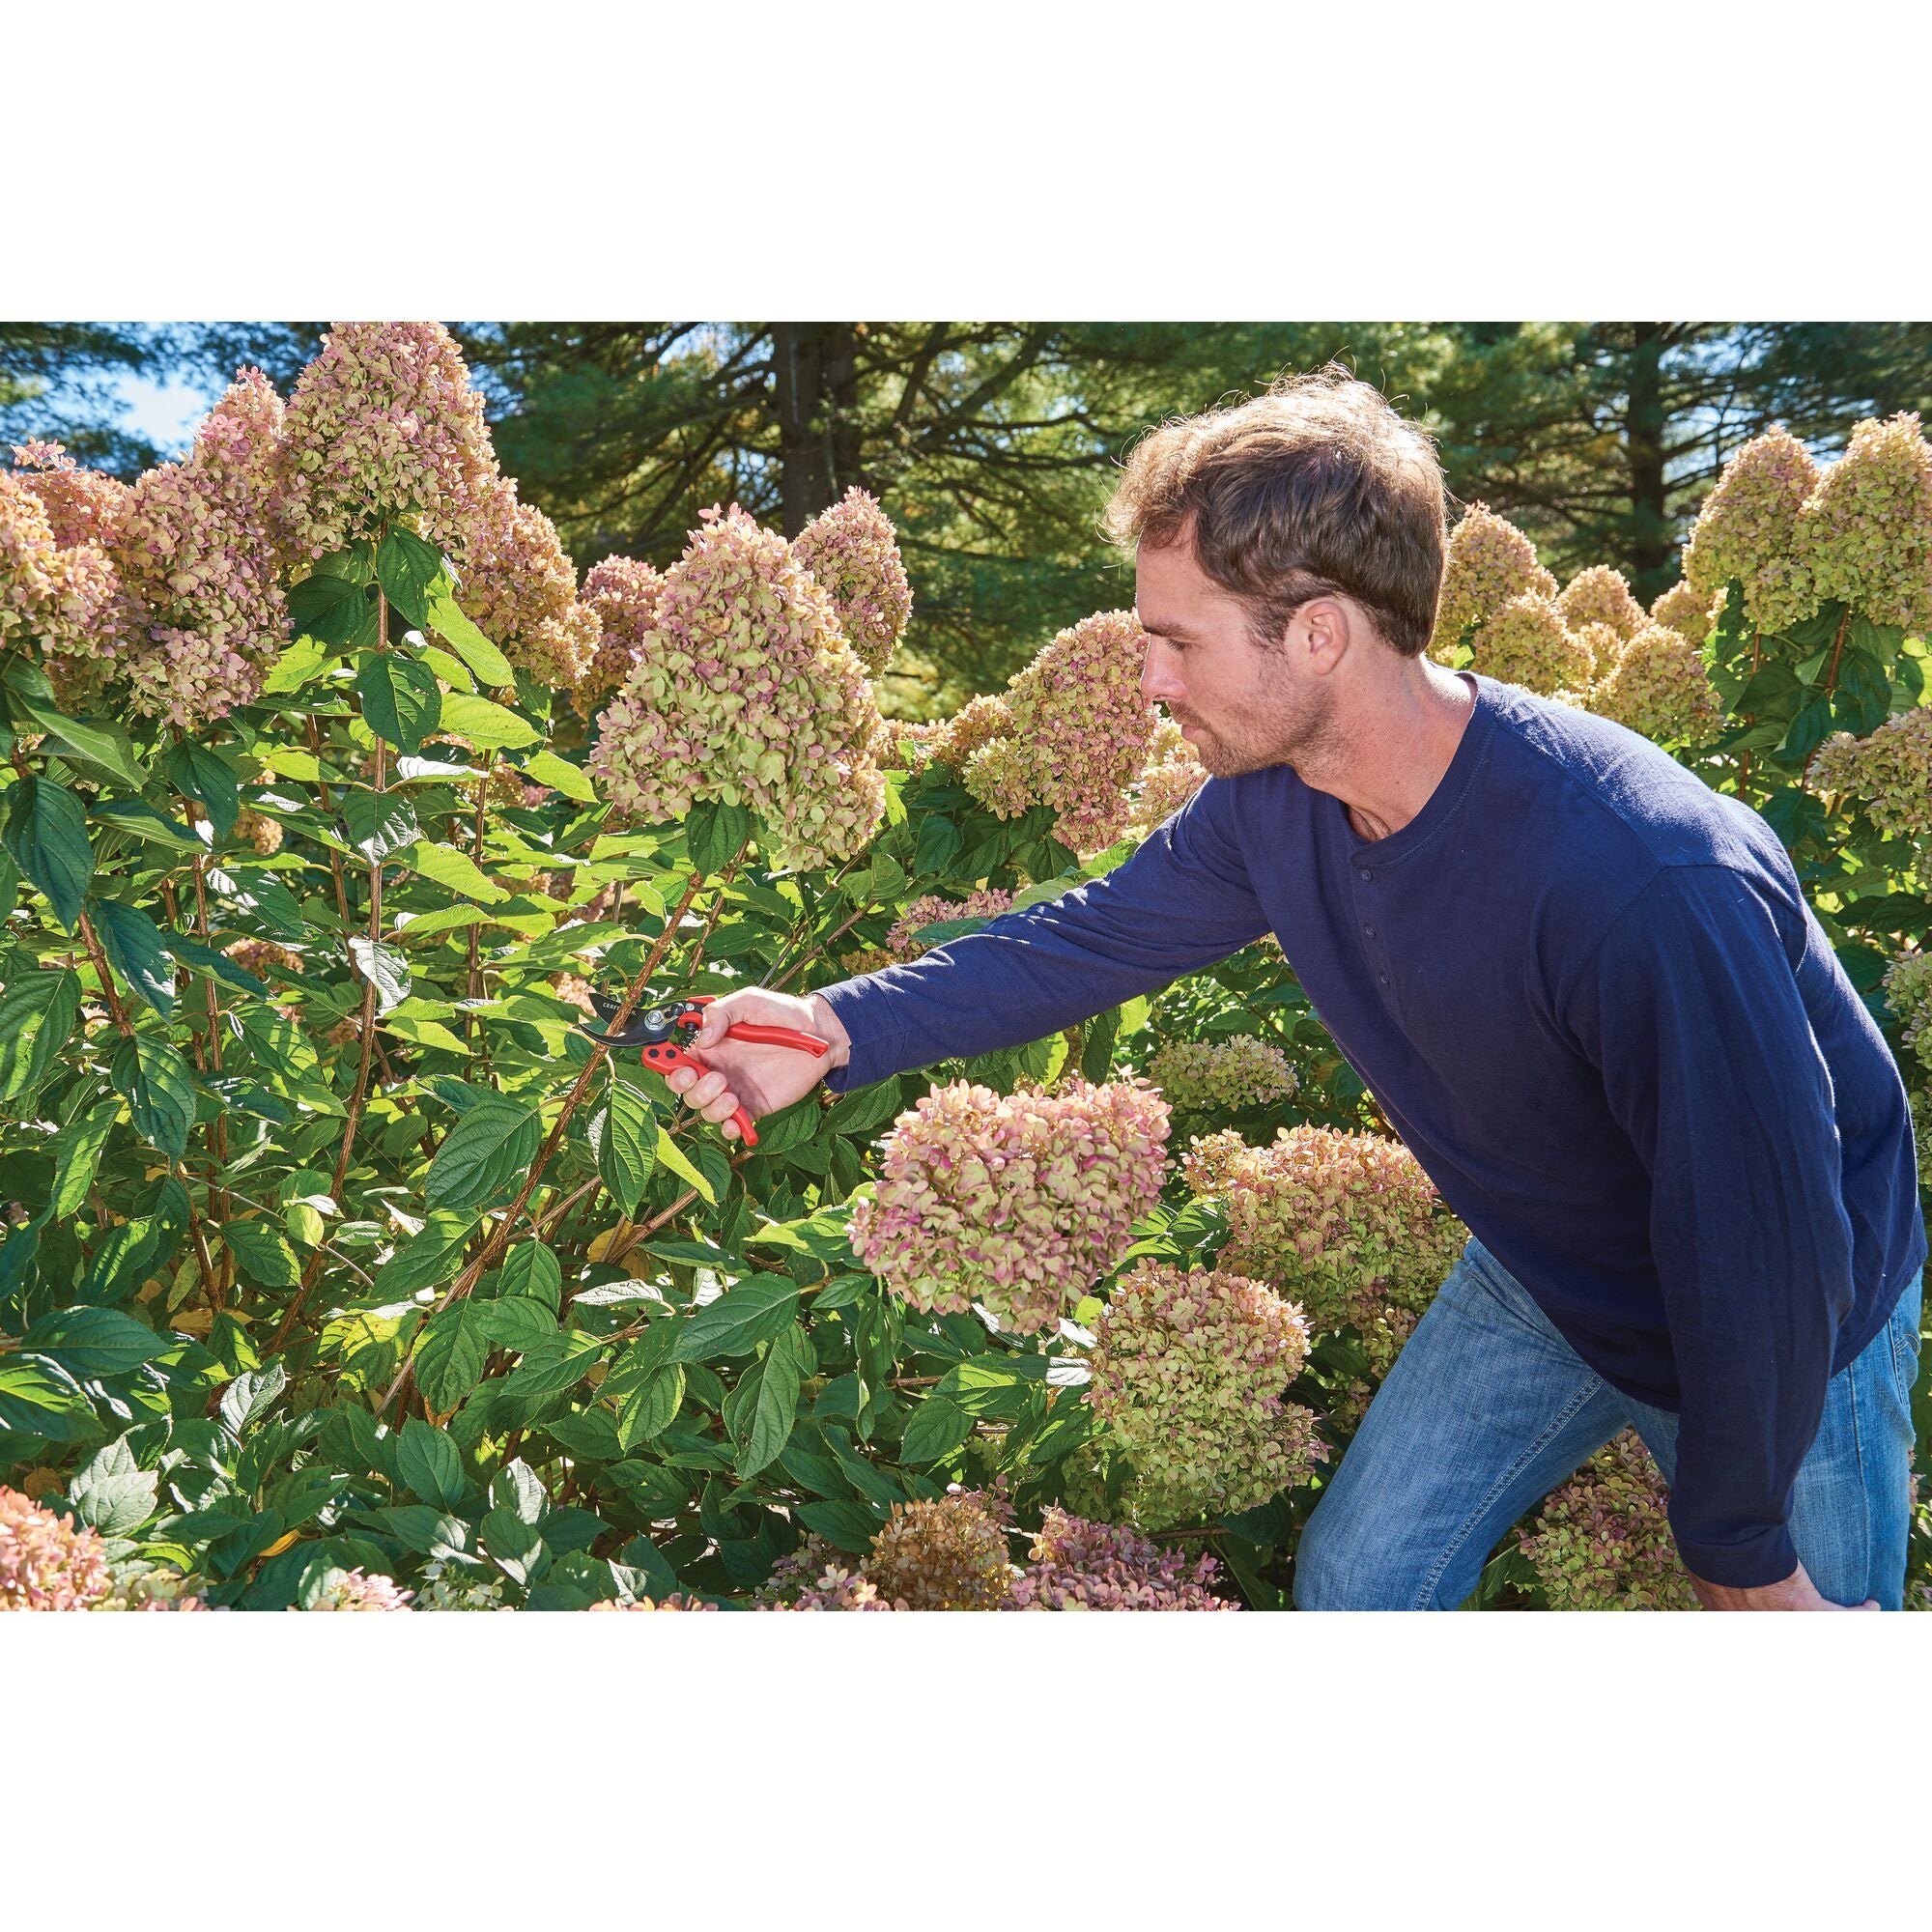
<point x="1284" y="727"/>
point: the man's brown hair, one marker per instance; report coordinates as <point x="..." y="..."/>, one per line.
<point x="1316" y="487"/>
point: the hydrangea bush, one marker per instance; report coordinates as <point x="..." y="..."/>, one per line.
<point x="340" y="1271"/>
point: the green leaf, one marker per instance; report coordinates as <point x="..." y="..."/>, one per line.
<point x="154" y="1081"/>
<point x="400" y="698"/>
<point x="38" y="1013"/>
<point x="303" y="661"/>
<point x="136" y="950"/>
<point x="450" y="1353"/>
<point x="713" y="832"/>
<point x="448" y="621"/>
<point x="848" y="1526"/>
<point x="105" y="745"/>
<point x="259" y="901"/>
<point x="625" y="1132"/>
<point x="45" y="836"/>
<point x="263" y="1255"/>
<point x="430" y="1465"/>
<point x="111" y="1492"/>
<point x="516" y="1489"/>
<point x="532" y="1271"/>
<point x="207" y="962"/>
<point x="408" y="570"/>
<point x="552" y="1365"/>
<point x="546" y="768"/>
<point x="38" y="1398"/>
<point x="671" y="1155"/>
<point x="380" y="823"/>
<point x="429" y="1259"/>
<point x="490" y="1147"/>
<point x="276" y="1041"/>
<point x="251" y="1395"/>
<point x="139" y="819"/>
<point x="514" y="1321"/>
<point x="78" y="1155"/>
<point x="449" y="866"/>
<point x="647" y="1412"/>
<point x="484" y="722"/>
<point x="384" y="968"/>
<point x="776" y="1406"/>
<point x="754" y="1311"/>
<point x="1808" y="731"/>
<point x="89" y="1342"/>
<point x="201" y="775"/>
<point x="937" y="1427"/>
<point x="332" y="610"/>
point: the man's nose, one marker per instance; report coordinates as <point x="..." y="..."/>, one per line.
<point x="1158" y="683"/>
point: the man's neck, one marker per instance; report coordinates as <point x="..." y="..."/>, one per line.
<point x="1396" y="754"/>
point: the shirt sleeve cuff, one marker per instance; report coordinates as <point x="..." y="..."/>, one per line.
<point x="1768" y="1557"/>
<point x="860" y="1006"/>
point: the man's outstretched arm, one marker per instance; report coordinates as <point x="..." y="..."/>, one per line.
<point x="1182" y="902"/>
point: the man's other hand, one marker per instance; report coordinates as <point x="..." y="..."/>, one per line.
<point x="1797" y="1592"/>
<point x="761" y="1079"/>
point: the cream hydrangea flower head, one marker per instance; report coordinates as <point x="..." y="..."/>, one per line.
<point x="519" y="587"/>
<point x="744" y="691"/>
<point x="1526" y="642"/>
<point x="1657" y="686"/>
<point x="1890" y="771"/>
<point x="1231" y="1073"/>
<point x="1020" y="1201"/>
<point x="1867" y="527"/>
<point x="1188" y="1370"/>
<point x="1600" y="595"/>
<point x="1749" y="530"/>
<point x="383" y="422"/>
<point x="1602" y="1539"/>
<point x="1684" y="610"/>
<point x="853" y="552"/>
<point x="1489" y="563"/>
<point x="1080" y="732"/>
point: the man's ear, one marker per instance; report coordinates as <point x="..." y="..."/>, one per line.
<point x="1327" y="632"/>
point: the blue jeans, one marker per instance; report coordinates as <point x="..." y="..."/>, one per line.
<point x="1487" y="1409"/>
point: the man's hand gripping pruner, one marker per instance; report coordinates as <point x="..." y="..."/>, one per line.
<point x="656" y="1029"/>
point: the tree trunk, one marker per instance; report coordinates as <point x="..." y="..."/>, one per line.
<point x="1651" y="545"/>
<point x="813" y="364"/>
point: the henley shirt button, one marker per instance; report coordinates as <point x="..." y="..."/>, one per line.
<point x="1370" y="930"/>
<point x="1385" y="978"/>
<point x="1365" y="875"/>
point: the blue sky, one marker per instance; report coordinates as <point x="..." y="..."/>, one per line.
<point x="165" y="411"/>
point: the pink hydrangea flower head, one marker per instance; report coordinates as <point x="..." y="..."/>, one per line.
<point x="1867" y="528"/>
<point x="1602" y="1539"/>
<point x="351" y="1590"/>
<point x="1908" y="992"/>
<point x="383" y="423"/>
<point x="198" y="555"/>
<point x="979" y="721"/>
<point x="1683" y="609"/>
<point x="83" y="506"/>
<point x="624" y="594"/>
<point x="1657" y="686"/>
<point x="853" y="552"/>
<point x="1079" y="1565"/>
<point x="1890" y="771"/>
<point x="1198" y="1076"/>
<point x="933" y="908"/>
<point x="1081" y="730"/>
<point x="744" y="691"/>
<point x="1188" y="1370"/>
<point x="1749" y="530"/>
<point x="1324" y="1214"/>
<point x="1600" y="595"/>
<point x="519" y="587"/>
<point x="1527" y="643"/>
<point x="148" y="1590"/>
<point x="947" y="1554"/>
<point x="1489" y="563"/>
<point x="1020" y="1201"/>
<point x="47" y="1561"/>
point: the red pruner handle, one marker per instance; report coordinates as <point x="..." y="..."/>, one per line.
<point x="665" y="1058"/>
<point x="778" y="1036"/>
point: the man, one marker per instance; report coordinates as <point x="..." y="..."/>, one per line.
<point x="1586" y="990"/>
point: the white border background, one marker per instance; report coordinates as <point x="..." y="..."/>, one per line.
<point x="1211" y="161"/>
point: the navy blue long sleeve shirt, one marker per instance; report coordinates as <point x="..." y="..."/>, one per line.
<point x="1587" y="992"/>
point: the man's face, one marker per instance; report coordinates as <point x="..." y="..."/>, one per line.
<point x="1241" y="707"/>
